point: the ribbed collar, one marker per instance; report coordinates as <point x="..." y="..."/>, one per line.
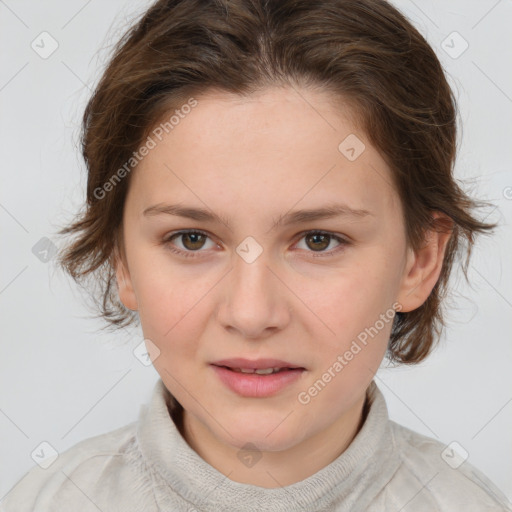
<point x="350" y="481"/>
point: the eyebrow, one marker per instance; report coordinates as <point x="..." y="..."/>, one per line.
<point x="294" y="217"/>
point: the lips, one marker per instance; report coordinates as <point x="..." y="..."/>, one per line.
<point x="250" y="366"/>
<point x="260" y="378"/>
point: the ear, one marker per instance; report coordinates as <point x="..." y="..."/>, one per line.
<point x="124" y="282"/>
<point x="424" y="265"/>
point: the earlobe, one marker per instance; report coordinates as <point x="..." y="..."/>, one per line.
<point x="124" y="283"/>
<point x="425" y="264"/>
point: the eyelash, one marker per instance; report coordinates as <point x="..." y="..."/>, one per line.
<point x="193" y="254"/>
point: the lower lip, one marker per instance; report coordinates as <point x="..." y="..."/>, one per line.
<point x="254" y="385"/>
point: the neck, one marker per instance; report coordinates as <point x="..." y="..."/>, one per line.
<point x="275" y="468"/>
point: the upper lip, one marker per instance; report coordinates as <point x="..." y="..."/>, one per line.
<point x="255" y="364"/>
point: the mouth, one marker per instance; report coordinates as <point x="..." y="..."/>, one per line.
<point x="260" y="366"/>
<point x="261" y="371"/>
<point x="258" y="378"/>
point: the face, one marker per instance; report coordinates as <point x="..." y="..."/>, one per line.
<point x="251" y="278"/>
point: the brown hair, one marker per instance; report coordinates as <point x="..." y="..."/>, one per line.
<point x="365" y="51"/>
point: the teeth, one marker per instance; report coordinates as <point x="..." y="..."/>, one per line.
<point x="260" y="371"/>
<point x="266" y="371"/>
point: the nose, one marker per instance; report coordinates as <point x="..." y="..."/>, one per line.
<point x="255" y="303"/>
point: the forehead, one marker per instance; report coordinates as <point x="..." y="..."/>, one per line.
<point x="265" y="152"/>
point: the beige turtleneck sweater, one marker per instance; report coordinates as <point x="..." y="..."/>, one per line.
<point x="147" y="466"/>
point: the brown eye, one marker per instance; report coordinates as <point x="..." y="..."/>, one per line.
<point x="193" y="241"/>
<point x="187" y="243"/>
<point x="318" y="241"/>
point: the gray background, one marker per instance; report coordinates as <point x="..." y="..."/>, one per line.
<point x="61" y="381"/>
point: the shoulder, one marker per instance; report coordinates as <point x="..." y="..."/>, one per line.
<point x="80" y="477"/>
<point x="439" y="477"/>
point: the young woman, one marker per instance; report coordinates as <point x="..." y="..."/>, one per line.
<point x="271" y="195"/>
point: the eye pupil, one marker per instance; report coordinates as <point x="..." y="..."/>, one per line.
<point x="193" y="237"/>
<point x="324" y="240"/>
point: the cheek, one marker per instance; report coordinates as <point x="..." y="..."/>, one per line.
<point x="348" y="302"/>
<point x="173" y="317"/>
<point x="170" y="300"/>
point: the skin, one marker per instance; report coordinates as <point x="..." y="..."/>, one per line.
<point x="251" y="160"/>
